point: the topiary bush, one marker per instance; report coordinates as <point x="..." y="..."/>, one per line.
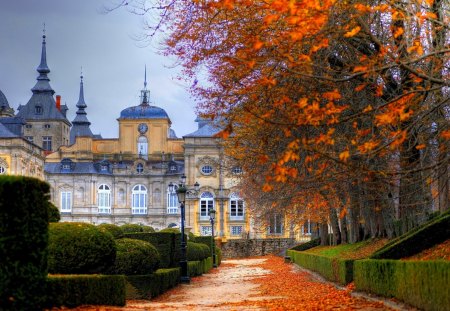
<point x="115" y="230"/>
<point x="135" y="257"/>
<point x="79" y="248"/>
<point x="23" y="242"/>
<point x="197" y="251"/>
<point x="53" y="213"/>
<point x="133" y="228"/>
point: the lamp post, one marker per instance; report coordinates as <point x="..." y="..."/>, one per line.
<point x="181" y="193"/>
<point x="212" y="216"/>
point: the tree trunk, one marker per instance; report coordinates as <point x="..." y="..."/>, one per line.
<point x="335" y="225"/>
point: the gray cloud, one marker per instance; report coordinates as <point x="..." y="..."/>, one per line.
<point x="113" y="62"/>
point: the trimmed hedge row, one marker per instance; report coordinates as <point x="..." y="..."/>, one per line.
<point x="307" y="245"/>
<point x="151" y="285"/>
<point x="132" y="228"/>
<point x="135" y="257"/>
<point x="167" y="244"/>
<point x="197" y="251"/>
<point x="76" y="290"/>
<point x="79" y="248"/>
<point x="423" y="284"/>
<point x="434" y="232"/>
<point x="198" y="267"/>
<point x="115" y="230"/>
<point x="207" y="240"/>
<point x="24" y="218"/>
<point x="333" y="269"/>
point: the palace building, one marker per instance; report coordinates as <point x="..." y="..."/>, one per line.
<point x="124" y="179"/>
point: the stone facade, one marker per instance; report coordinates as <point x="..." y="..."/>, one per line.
<point x="240" y="248"/>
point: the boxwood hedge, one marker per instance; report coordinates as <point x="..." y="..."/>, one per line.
<point x="115" y="230"/>
<point x="135" y="257"/>
<point x="24" y="220"/>
<point x="79" y="248"/>
<point x="423" y="284"/>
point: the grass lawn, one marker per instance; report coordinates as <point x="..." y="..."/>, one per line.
<point x="349" y="251"/>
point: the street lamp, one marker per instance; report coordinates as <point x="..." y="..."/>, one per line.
<point x="212" y="216"/>
<point x="181" y="193"/>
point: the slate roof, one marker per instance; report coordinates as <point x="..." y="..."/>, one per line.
<point x="80" y="123"/>
<point x="206" y="130"/>
<point x="5" y="109"/>
<point x="5" y="133"/>
<point x="143" y="112"/>
<point x="42" y="96"/>
<point x="76" y="168"/>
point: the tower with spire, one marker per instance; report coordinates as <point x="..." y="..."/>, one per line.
<point x="47" y="125"/>
<point x="80" y="123"/>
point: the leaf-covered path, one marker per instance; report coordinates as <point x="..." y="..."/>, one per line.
<point x="260" y="283"/>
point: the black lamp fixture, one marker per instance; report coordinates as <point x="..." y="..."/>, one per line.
<point x="212" y="217"/>
<point x="181" y="194"/>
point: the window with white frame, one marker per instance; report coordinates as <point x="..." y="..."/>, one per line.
<point x="236" y="207"/>
<point x="172" y="201"/>
<point x="66" y="201"/>
<point x="206" y="204"/>
<point x="47" y="143"/>
<point x="307" y="230"/>
<point x="205" y="230"/>
<point x="276" y="224"/>
<point x="142" y="147"/>
<point x="104" y="199"/>
<point x="237" y="170"/>
<point x="139" y="200"/>
<point x="236" y="230"/>
<point x="207" y="170"/>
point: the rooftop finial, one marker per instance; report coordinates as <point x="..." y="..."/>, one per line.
<point x="81" y="74"/>
<point x="43" y="30"/>
<point x="145" y="77"/>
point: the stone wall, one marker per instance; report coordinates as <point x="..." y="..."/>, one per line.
<point x="240" y="248"/>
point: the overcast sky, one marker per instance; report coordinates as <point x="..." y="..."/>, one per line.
<point x="104" y="45"/>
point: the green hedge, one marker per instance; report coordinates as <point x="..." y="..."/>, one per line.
<point x="307" y="245"/>
<point x="423" y="284"/>
<point x="434" y="232"/>
<point x="24" y="220"/>
<point x="152" y="285"/>
<point x="135" y="257"/>
<point x="79" y="248"/>
<point x="167" y="244"/>
<point x="198" y="267"/>
<point x="115" y="230"/>
<point x="53" y="213"/>
<point x="333" y="269"/>
<point x="133" y="228"/>
<point x="207" y="240"/>
<point x="76" y="290"/>
<point x="197" y="251"/>
<point x="218" y="255"/>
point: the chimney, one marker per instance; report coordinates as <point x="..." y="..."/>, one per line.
<point x="58" y="102"/>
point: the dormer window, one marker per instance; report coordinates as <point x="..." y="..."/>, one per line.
<point x="28" y="126"/>
<point x="38" y="109"/>
<point x="66" y="166"/>
<point x="103" y="167"/>
<point x="173" y="168"/>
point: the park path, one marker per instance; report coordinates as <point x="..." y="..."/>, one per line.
<point x="259" y="283"/>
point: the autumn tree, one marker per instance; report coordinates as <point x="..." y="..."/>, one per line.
<point x="333" y="108"/>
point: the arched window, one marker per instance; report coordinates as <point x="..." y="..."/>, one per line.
<point x="104" y="199"/>
<point x="142" y="147"/>
<point x="206" y="204"/>
<point x="172" y="201"/>
<point x="139" y="200"/>
<point x="236" y="207"/>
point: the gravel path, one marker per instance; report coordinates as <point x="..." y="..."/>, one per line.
<point x="262" y="283"/>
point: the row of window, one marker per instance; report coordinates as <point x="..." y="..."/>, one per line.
<point x="234" y="230"/>
<point x="139" y="200"/>
<point x="208" y="170"/>
<point x="44" y="126"/>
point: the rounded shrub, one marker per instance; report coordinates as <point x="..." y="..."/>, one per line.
<point x="133" y="228"/>
<point x="53" y="213"/>
<point x="115" y="230"/>
<point x="79" y="248"/>
<point x="197" y="251"/>
<point x="135" y="257"/>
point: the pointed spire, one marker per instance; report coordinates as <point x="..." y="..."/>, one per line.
<point x="81" y="104"/>
<point x="43" y="68"/>
<point x="145" y="94"/>
<point x="43" y="84"/>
